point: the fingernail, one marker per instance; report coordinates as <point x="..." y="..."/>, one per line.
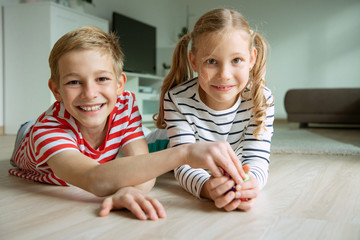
<point x="162" y="214"/>
<point x="238" y="187"/>
<point x="237" y="195"/>
<point x="154" y="216"/>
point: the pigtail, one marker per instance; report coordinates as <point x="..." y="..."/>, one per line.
<point x="258" y="83"/>
<point x="180" y="71"/>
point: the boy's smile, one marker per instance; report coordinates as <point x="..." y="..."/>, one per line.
<point x="88" y="88"/>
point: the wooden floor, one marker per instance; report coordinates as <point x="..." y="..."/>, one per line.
<point x="306" y="197"/>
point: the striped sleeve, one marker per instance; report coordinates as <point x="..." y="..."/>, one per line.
<point x="46" y="142"/>
<point x="180" y="132"/>
<point x="256" y="152"/>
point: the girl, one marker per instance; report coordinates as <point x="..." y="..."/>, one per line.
<point x="227" y="101"/>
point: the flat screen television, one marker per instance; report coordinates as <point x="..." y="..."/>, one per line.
<point x="138" y="42"/>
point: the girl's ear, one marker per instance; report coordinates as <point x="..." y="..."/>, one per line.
<point x="55" y="90"/>
<point x="192" y="61"/>
<point x="253" y="55"/>
<point x="121" y="84"/>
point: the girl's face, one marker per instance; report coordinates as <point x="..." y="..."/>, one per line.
<point x="88" y="87"/>
<point x="223" y="64"/>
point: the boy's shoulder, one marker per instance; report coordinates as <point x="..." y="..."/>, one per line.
<point x="126" y="94"/>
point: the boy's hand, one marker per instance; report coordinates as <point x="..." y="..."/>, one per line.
<point x="133" y="199"/>
<point x="215" y="156"/>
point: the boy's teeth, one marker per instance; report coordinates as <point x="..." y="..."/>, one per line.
<point x="92" y="108"/>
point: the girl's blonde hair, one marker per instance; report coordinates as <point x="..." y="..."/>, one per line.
<point x="216" y="21"/>
<point x="86" y="38"/>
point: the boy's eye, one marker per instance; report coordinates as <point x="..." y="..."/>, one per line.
<point x="237" y="60"/>
<point x="211" y="61"/>
<point x="73" y="82"/>
<point x="103" y="79"/>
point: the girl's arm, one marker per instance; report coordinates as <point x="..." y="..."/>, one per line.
<point x="180" y="132"/>
<point x="256" y="152"/>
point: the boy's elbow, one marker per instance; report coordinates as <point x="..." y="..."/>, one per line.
<point x="98" y="185"/>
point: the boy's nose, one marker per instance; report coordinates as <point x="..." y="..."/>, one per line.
<point x="89" y="91"/>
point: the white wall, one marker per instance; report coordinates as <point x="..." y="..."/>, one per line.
<point x="314" y="44"/>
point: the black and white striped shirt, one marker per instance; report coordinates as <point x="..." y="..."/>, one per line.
<point x="189" y="120"/>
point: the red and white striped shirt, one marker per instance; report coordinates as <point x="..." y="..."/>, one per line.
<point x="56" y="131"/>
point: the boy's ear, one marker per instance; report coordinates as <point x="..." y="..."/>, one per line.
<point x="192" y="61"/>
<point x="55" y="90"/>
<point x="121" y="84"/>
<point x="253" y="55"/>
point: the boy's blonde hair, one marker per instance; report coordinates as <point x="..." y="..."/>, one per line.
<point x="87" y="38"/>
<point x="217" y="21"/>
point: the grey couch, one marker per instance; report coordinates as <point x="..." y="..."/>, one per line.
<point x="332" y="106"/>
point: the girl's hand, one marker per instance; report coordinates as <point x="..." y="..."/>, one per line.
<point x="133" y="199"/>
<point x="249" y="191"/>
<point x="218" y="190"/>
<point x="215" y="156"/>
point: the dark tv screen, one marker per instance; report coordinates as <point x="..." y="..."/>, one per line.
<point x="138" y="42"/>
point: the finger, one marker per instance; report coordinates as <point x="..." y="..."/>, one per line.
<point x="246" y="205"/>
<point x="158" y="207"/>
<point x="149" y="209"/>
<point x="246" y="168"/>
<point x="216" y="182"/>
<point x="250" y="194"/>
<point x="251" y="184"/>
<point x="223" y="188"/>
<point x="236" y="173"/>
<point x="224" y="200"/>
<point x="135" y="208"/>
<point x="106" y="207"/>
<point x="232" y="205"/>
<point x="215" y="170"/>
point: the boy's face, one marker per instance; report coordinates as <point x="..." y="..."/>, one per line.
<point x="223" y="64"/>
<point x="88" y="88"/>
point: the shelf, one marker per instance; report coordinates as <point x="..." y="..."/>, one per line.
<point x="146" y="88"/>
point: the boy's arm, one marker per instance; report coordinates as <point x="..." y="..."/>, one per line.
<point x="134" y="198"/>
<point x="83" y="169"/>
<point x="104" y="179"/>
<point x="139" y="147"/>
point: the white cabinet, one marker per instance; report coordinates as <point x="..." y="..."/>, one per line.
<point x="147" y="93"/>
<point x="30" y="31"/>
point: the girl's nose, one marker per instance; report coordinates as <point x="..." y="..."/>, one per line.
<point x="225" y="72"/>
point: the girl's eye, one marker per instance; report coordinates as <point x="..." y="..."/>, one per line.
<point x="211" y="61"/>
<point x="237" y="60"/>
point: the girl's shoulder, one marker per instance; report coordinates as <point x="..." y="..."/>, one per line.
<point x="185" y="87"/>
<point x="268" y="95"/>
<point x="266" y="92"/>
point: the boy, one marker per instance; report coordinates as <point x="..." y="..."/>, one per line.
<point x="75" y="142"/>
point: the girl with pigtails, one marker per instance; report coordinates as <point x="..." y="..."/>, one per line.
<point x="227" y="101"/>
